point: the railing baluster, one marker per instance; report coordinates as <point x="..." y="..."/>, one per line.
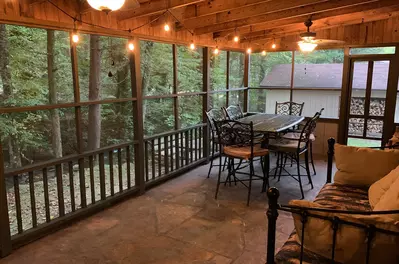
<point x="153" y="158"/>
<point x="102" y="175"/>
<point x="196" y="143"/>
<point x="60" y="189"/>
<point x="92" y="186"/>
<point x="111" y="170"/>
<point x="191" y="145"/>
<point x="146" y="160"/>
<point x="32" y="199"/>
<point x="45" y="192"/>
<point x="71" y="186"/>
<point x="159" y="158"/>
<point x="177" y="160"/>
<point x="201" y="154"/>
<point x="166" y="154"/>
<point x="82" y="182"/>
<point x="171" y="152"/>
<point x="120" y="172"/>
<point x="186" y="154"/>
<point x="18" y="203"/>
<point x="129" y="184"/>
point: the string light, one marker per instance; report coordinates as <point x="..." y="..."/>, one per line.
<point x="192" y="46"/>
<point x="166" y="27"/>
<point x="130" y="45"/>
<point x="264" y="53"/>
<point x="274" y="46"/>
<point x="75" y="36"/>
<point x="249" y="50"/>
<point x="236" y="38"/>
<point x="216" y="51"/>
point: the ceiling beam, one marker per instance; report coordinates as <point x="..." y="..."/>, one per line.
<point x="217" y="6"/>
<point x="299" y="11"/>
<point x="247" y="11"/>
<point x="262" y="29"/>
<point x="326" y="23"/>
<point x="154" y="7"/>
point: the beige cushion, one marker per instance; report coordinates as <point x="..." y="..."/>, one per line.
<point x="351" y="244"/>
<point x="378" y="188"/>
<point x="389" y="200"/>
<point x="296" y="135"/>
<point x="363" y="166"/>
<point x="285" y="145"/>
<point x="245" y="152"/>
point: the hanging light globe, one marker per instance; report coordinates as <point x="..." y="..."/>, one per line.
<point x="106" y="5"/>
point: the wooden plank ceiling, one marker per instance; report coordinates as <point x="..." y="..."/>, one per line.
<point x="257" y="22"/>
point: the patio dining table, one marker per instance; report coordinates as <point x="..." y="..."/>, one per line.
<point x="267" y="124"/>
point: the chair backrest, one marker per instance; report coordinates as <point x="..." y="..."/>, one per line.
<point x="308" y="129"/>
<point x="235" y="133"/>
<point x="233" y="112"/>
<point x="214" y="114"/>
<point x="289" y="108"/>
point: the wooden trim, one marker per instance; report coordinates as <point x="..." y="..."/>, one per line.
<point x="205" y="99"/>
<point x="175" y="88"/>
<point x="345" y="94"/>
<point x="292" y="74"/>
<point x="227" y="77"/>
<point x="366" y="110"/>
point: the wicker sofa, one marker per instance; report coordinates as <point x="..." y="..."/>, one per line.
<point x="336" y="200"/>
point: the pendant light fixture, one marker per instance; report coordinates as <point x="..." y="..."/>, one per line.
<point x="106" y="5"/>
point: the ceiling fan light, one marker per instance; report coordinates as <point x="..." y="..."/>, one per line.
<point x="106" y="5"/>
<point x="307" y="46"/>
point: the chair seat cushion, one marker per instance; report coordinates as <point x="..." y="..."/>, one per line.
<point x="296" y="135"/>
<point x="285" y="145"/>
<point x="245" y="152"/>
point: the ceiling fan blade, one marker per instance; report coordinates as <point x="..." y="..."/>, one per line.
<point x="329" y="42"/>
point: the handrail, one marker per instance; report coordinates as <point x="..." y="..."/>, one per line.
<point x="65" y="159"/>
<point x="174" y="132"/>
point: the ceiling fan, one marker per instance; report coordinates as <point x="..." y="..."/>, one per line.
<point x="309" y="41"/>
<point x="113" y="5"/>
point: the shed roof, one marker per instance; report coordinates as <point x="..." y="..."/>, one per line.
<point x="325" y="76"/>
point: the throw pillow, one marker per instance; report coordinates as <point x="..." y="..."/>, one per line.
<point x="378" y="188"/>
<point x="389" y="200"/>
<point x="362" y="167"/>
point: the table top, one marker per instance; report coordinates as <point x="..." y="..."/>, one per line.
<point x="265" y="123"/>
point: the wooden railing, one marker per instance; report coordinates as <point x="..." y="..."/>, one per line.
<point x="43" y="197"/>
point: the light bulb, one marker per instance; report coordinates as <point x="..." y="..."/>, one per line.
<point x="274" y="46"/>
<point x="264" y="53"/>
<point x="166" y="27"/>
<point x="192" y="46"/>
<point x="307" y="46"/>
<point x="216" y="51"/>
<point x="249" y="50"/>
<point x="130" y="46"/>
<point x="75" y="37"/>
<point x="236" y="39"/>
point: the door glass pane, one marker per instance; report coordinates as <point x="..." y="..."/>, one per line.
<point x="379" y="88"/>
<point x="359" y="83"/>
<point x="374" y="128"/>
<point x="356" y="126"/>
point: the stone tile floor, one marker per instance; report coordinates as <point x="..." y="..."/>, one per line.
<point x="177" y="222"/>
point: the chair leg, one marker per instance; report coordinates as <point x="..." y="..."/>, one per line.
<point x="282" y="164"/>
<point x="265" y="167"/>
<point x="277" y="165"/>
<point x="228" y="172"/>
<point x="299" y="175"/>
<point x="251" y="173"/>
<point x="213" y="153"/>
<point x="220" y="173"/>
<point x="307" y="168"/>
<point x="311" y="157"/>
<point x="224" y="164"/>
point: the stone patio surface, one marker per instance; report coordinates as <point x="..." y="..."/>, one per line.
<point x="177" y="222"/>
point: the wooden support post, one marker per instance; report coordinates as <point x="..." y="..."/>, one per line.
<point x="5" y="236"/>
<point x="272" y="214"/>
<point x="205" y="99"/>
<point x="247" y="63"/>
<point x="330" y="155"/>
<point x="227" y="77"/>
<point x="175" y="83"/>
<point x="345" y="99"/>
<point x="78" y="121"/>
<point x="138" y="116"/>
